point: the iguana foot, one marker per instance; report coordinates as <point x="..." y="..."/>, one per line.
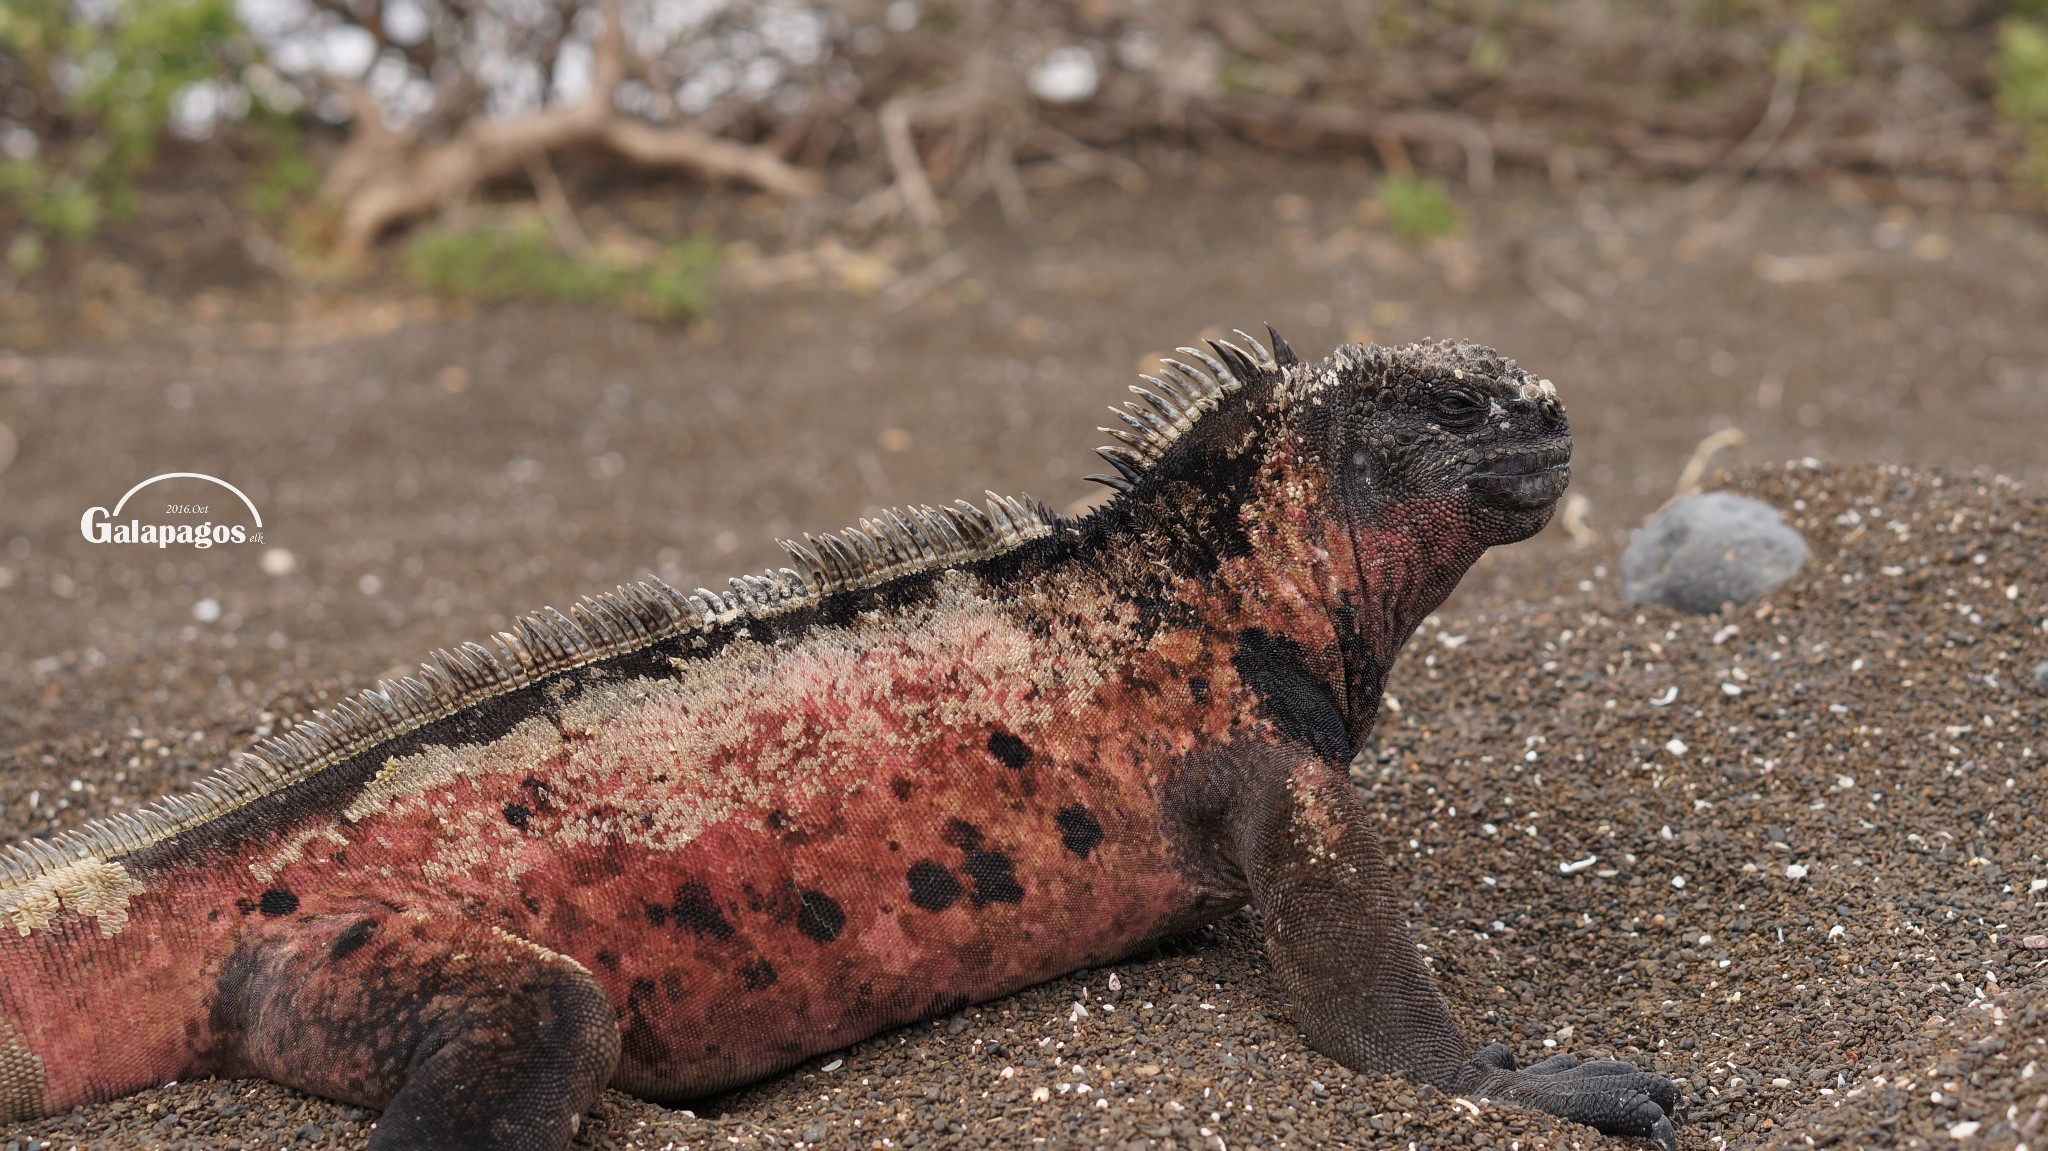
<point x="1607" y="1094"/>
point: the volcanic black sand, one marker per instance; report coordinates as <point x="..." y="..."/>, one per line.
<point x="1847" y="777"/>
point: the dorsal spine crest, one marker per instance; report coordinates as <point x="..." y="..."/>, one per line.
<point x="1180" y="395"/>
<point x="895" y="543"/>
<point x="538" y="645"/>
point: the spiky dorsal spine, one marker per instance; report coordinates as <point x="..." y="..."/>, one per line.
<point x="1179" y="396"/>
<point x="548" y="642"/>
<point x="902" y="540"/>
<point x="539" y="645"/>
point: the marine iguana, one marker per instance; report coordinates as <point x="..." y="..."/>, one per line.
<point x="673" y="843"/>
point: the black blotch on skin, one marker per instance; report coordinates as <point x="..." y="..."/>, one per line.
<point x="819" y="916"/>
<point x="1160" y="612"/>
<point x="1363" y="677"/>
<point x="696" y="912"/>
<point x="1299" y="706"/>
<point x="900" y="788"/>
<point x="962" y="834"/>
<point x="757" y="974"/>
<point x="276" y="902"/>
<point x="784" y="825"/>
<point x="1078" y="829"/>
<point x="352" y="940"/>
<point x="1198" y="689"/>
<point x="932" y="887"/>
<point x="656" y="913"/>
<point x="638" y="1039"/>
<point x="517" y="815"/>
<point x="607" y="959"/>
<point x="1010" y="751"/>
<point x="995" y="878"/>
<point x="238" y="975"/>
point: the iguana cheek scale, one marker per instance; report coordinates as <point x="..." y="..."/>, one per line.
<point x="674" y="843"/>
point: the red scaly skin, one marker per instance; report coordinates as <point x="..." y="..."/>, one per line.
<point x="694" y="863"/>
<point x="732" y="988"/>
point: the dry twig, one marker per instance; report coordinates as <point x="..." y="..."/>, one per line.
<point x="1695" y="469"/>
<point x="554" y="204"/>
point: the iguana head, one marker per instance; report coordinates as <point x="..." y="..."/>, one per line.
<point x="1452" y="426"/>
<point x="1433" y="452"/>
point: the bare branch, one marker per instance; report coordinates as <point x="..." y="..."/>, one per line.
<point x="387" y="183"/>
<point x="708" y="155"/>
<point x="1778" y="112"/>
<point x="554" y="204"/>
<point x="1479" y="144"/>
<point x="608" y="55"/>
<point x="897" y="118"/>
<point x="1002" y="175"/>
<point x="1092" y="161"/>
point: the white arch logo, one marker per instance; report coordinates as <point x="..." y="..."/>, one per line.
<point x="100" y="526"/>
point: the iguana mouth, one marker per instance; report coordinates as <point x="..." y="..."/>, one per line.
<point x="1526" y="480"/>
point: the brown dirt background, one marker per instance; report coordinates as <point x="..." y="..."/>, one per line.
<point x="436" y="469"/>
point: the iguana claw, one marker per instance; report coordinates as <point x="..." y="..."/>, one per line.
<point x="1607" y="1094"/>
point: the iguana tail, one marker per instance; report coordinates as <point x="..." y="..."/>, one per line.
<point x="112" y="981"/>
<point x="102" y="987"/>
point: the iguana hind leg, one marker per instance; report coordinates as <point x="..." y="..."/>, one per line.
<point x="466" y="1038"/>
<point x="1340" y="944"/>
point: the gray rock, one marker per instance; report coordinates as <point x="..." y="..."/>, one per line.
<point x="1707" y="550"/>
<point x="2041" y="675"/>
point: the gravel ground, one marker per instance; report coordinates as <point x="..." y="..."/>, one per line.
<point x="1789" y="856"/>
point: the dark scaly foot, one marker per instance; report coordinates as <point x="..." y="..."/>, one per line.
<point x="1608" y="1094"/>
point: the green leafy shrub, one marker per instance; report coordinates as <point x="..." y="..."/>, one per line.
<point x="2022" y="71"/>
<point x="101" y="79"/>
<point x="520" y="260"/>
<point x="285" y="179"/>
<point x="677" y="283"/>
<point x="1417" y="209"/>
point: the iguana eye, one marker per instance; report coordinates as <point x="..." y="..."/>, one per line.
<point x="1458" y="410"/>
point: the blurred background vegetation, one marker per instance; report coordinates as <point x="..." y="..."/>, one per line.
<point x="454" y="143"/>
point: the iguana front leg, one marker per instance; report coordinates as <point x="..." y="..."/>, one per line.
<point x="1337" y="938"/>
<point x="469" y="1038"/>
